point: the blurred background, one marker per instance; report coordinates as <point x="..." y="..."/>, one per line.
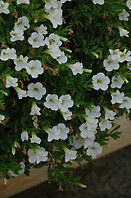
<point x="107" y="177"/>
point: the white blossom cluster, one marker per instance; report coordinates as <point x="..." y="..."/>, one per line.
<point x="95" y="117"/>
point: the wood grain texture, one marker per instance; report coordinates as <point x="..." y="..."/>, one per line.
<point x="40" y="175"/>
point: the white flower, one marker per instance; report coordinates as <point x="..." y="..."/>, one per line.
<point x="110" y="64"/>
<point x="41" y="29"/>
<point x="34" y="68"/>
<point x="89" y="141"/>
<point x="105" y="124"/>
<point x="53" y="133"/>
<point x="23" y="1"/>
<point x="94" y="150"/>
<point x="117" y="82"/>
<point x="101" y="2"/>
<point x="22" y="23"/>
<point x="10" y="81"/>
<point x="123" y="56"/>
<point x="65" y="102"/>
<point x="16" y="35"/>
<point x="35" y="139"/>
<point x="62" y="58"/>
<point x="126" y="103"/>
<point x="2" y="117"/>
<point x="20" y="62"/>
<point x="109" y="114"/>
<point x="36" y="40"/>
<point x="19" y="172"/>
<point x="54" y="52"/>
<point x="117" y="97"/>
<point x="21" y="93"/>
<point x="77" y="142"/>
<point x="94" y="112"/>
<point x="36" y="90"/>
<point x="35" y="110"/>
<point x="69" y="155"/>
<point x="51" y="4"/>
<point x="86" y="131"/>
<point x="52" y="102"/>
<point x="55" y="16"/>
<point x="128" y="3"/>
<point x="7" y="54"/>
<point x="129" y="65"/>
<point x="53" y="40"/>
<point x="100" y="81"/>
<point x="37" y="155"/>
<point x="91" y="122"/>
<point x="4" y="7"/>
<point x="24" y="136"/>
<point x="123" y="32"/>
<point x="115" y="54"/>
<point x="124" y="15"/>
<point x="67" y="115"/>
<point x="76" y="68"/>
<point x="63" y="131"/>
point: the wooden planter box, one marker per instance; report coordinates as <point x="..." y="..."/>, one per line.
<point x="40" y="175"/>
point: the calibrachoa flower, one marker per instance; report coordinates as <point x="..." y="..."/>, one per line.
<point x="34" y="68"/>
<point x="35" y="139"/>
<point x="100" y="81"/>
<point x="128" y="3"/>
<point x="4" y="7"/>
<point x="22" y="165"/>
<point x="123" y="32"/>
<point x="41" y="29"/>
<point x="115" y="54"/>
<point x="111" y="64"/>
<point x="105" y="124"/>
<point x="69" y="154"/>
<point x="52" y="102"/>
<point x="16" y="35"/>
<point x="124" y="15"/>
<point x="62" y="58"/>
<point x="109" y="114"/>
<point x="94" y="150"/>
<point x="53" y="133"/>
<point x="21" y="93"/>
<point x="117" y="97"/>
<point x="77" y="142"/>
<point x="65" y="102"/>
<point x="117" y="81"/>
<point x="36" y="90"/>
<point x="76" y="68"/>
<point x="7" y="54"/>
<point x="126" y="103"/>
<point x="86" y="131"/>
<point x="63" y="131"/>
<point x="36" y="40"/>
<point x="24" y="136"/>
<point x="89" y="141"/>
<point x="94" y="112"/>
<point x="20" y="62"/>
<point x="67" y="115"/>
<point x="35" y="109"/>
<point x="53" y="40"/>
<point x="11" y="82"/>
<point x="22" y="23"/>
<point x="37" y="155"/>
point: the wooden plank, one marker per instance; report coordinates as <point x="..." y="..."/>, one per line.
<point x="40" y="175"/>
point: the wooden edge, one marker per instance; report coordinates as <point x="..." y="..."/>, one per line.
<point x="40" y="175"/>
